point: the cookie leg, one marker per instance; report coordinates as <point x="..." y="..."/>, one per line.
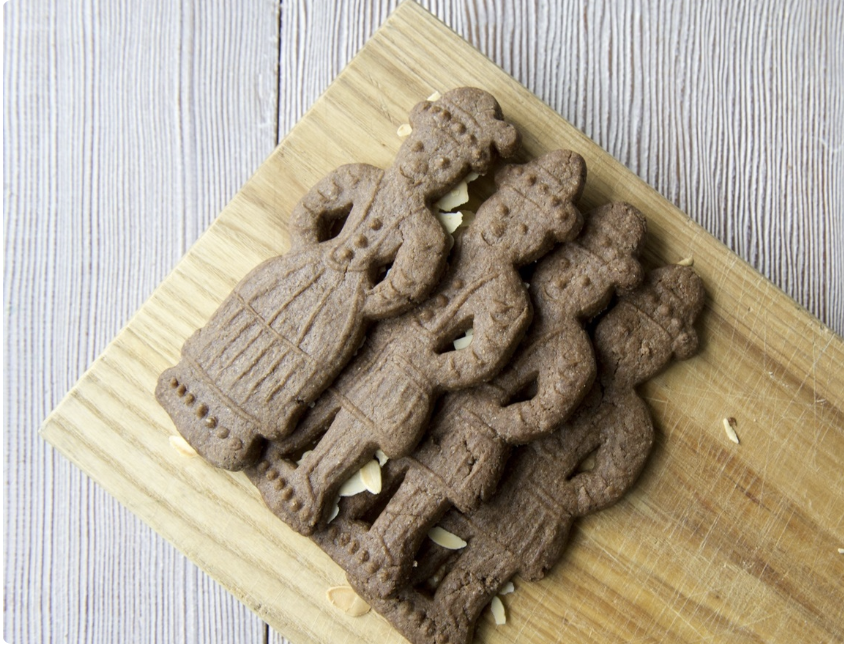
<point x="344" y="448"/>
<point x="396" y="535"/>
<point x="477" y="576"/>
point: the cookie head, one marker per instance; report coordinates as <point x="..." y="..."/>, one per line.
<point x="571" y="282"/>
<point x="630" y="346"/>
<point x="581" y="277"/>
<point x="674" y="298"/>
<point x="615" y="234"/>
<point x="534" y="206"/>
<point x="464" y="130"/>
<point x="489" y="126"/>
<point x="650" y="326"/>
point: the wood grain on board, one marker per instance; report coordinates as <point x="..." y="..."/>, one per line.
<point x="719" y="541"/>
<point x="129" y="126"/>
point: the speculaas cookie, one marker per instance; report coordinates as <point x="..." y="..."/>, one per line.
<point x="469" y="440"/>
<point x="383" y="399"/>
<point x="291" y="325"/>
<point x="522" y="530"/>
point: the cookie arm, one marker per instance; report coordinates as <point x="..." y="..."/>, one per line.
<point x="328" y="200"/>
<point x="565" y="375"/>
<point x="626" y="440"/>
<point x="498" y="329"/>
<point x="417" y="266"/>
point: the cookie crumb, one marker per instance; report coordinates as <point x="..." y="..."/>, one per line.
<point x="182" y="447"/>
<point x="446" y="539"/>
<point x="498" y="612"/>
<point x="729" y="428"/>
<point x="346" y="599"/>
<point x="687" y="262"/>
<point x="404" y="130"/>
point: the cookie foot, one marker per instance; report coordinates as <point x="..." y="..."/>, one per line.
<point x="218" y="434"/>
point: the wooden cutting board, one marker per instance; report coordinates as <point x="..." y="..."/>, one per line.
<point x="718" y="542"/>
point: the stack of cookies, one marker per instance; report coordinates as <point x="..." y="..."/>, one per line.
<point x="427" y="403"/>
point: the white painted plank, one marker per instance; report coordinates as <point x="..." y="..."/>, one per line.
<point x="733" y="111"/>
<point x="128" y="127"/>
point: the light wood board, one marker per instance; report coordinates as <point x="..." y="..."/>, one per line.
<point x="718" y="542"/>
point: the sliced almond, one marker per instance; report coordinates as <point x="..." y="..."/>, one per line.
<point x="450" y="220"/>
<point x="498" y="612"/>
<point x="434" y="96"/>
<point x="445" y="538"/>
<point x="346" y="599"/>
<point x="730" y="430"/>
<point x="466" y="340"/>
<point x="507" y="588"/>
<point x="335" y="511"/>
<point x="302" y="458"/>
<point x="182" y="447"/>
<point x="370" y="475"/>
<point x="404" y="130"/>
<point x="454" y="198"/>
<point x="687" y="262"/>
<point x="381" y="457"/>
<point x="353" y="486"/>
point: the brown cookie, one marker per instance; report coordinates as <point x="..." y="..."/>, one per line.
<point x="469" y="440"/>
<point x="522" y="530"/>
<point x="291" y="325"/>
<point x="383" y="399"/>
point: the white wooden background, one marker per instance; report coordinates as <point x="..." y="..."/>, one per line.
<point x="129" y="125"/>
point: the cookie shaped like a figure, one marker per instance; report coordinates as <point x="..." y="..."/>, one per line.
<point x="383" y="399"/>
<point x="523" y="529"/>
<point x="293" y="323"/>
<point x="469" y="440"/>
